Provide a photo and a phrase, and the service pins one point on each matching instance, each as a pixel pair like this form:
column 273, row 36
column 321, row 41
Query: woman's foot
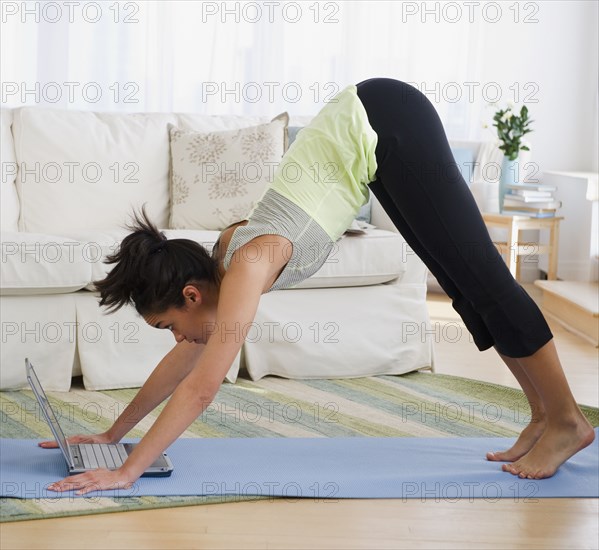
column 556, row 445
column 526, row 440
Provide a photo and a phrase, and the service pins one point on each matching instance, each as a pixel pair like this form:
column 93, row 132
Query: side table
column 513, row 248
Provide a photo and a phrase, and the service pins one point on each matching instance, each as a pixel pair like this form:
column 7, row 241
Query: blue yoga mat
column 324, row 468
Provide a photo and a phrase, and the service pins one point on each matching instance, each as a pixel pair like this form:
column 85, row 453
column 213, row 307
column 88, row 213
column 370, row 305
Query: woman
column 381, row 133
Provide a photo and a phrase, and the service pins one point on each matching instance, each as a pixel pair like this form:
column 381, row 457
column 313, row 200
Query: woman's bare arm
column 239, row 297
column 161, row 383
column 240, row 293
column 167, row 375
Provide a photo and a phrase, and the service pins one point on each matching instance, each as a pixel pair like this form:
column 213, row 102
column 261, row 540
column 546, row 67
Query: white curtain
column 238, row 58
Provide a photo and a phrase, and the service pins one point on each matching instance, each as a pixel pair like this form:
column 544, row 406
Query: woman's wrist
column 129, row 472
column 112, row 435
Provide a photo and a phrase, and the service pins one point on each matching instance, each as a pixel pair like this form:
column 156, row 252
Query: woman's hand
column 95, row 480
column 73, row 440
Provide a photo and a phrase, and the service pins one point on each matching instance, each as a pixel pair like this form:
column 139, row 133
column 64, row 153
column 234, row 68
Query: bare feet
column 555, row 445
column 526, row 440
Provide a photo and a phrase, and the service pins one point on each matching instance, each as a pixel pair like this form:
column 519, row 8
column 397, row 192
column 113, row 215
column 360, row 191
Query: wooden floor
column 579, row 358
column 348, row 524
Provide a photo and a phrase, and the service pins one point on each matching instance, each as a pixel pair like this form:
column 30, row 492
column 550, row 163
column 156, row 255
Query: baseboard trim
column 571, row 307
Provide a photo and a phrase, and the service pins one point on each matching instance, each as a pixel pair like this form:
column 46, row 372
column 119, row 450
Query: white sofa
column 69, row 182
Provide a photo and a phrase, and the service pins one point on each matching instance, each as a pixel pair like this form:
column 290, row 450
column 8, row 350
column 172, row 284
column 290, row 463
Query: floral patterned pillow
column 217, row 178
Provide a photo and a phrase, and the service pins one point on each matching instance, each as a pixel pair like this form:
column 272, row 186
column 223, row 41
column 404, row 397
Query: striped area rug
column 417, row 404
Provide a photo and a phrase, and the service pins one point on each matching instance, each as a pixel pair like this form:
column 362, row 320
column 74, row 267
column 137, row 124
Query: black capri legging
column 420, row 187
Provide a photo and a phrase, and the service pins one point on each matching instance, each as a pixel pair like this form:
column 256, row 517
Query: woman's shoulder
column 276, row 251
column 222, row 243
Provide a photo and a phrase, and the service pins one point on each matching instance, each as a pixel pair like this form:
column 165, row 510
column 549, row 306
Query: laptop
column 83, row 457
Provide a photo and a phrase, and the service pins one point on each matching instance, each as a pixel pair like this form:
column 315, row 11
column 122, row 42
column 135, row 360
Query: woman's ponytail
column 150, row 271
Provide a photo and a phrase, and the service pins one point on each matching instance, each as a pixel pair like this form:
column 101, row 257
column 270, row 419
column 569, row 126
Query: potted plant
column 511, row 128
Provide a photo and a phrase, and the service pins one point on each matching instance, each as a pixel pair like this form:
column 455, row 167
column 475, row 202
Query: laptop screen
column 48, row 412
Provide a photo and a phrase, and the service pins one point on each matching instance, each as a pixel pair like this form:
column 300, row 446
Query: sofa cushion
column 217, row 123
column 9, row 200
column 217, row 178
column 34, row 263
column 87, row 170
column 377, row 256
column 99, row 244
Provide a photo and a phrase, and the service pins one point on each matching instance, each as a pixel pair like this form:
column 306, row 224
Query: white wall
column 559, row 54
column 171, row 53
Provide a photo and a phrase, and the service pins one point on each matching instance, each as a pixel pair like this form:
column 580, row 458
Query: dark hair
column 151, row 270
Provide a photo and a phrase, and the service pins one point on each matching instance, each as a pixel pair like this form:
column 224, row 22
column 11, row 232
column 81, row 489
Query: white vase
column 486, row 195
column 510, row 175
column 528, row 172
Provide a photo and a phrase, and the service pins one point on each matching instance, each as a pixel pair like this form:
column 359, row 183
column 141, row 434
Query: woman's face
column 194, row 322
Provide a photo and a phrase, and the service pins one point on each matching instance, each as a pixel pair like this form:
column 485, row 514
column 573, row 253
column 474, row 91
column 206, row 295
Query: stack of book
column 529, row 199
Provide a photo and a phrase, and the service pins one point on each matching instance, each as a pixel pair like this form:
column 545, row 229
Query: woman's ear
column 192, row 294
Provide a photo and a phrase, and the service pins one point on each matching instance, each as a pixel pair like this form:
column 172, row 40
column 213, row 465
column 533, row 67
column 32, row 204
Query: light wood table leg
column 512, row 251
column 553, row 242
column 514, row 225
column 518, row 268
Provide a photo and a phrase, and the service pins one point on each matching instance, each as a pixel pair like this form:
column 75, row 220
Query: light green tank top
column 327, row 168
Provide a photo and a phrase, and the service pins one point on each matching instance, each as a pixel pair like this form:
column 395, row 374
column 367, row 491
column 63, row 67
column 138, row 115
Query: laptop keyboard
column 101, row 455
